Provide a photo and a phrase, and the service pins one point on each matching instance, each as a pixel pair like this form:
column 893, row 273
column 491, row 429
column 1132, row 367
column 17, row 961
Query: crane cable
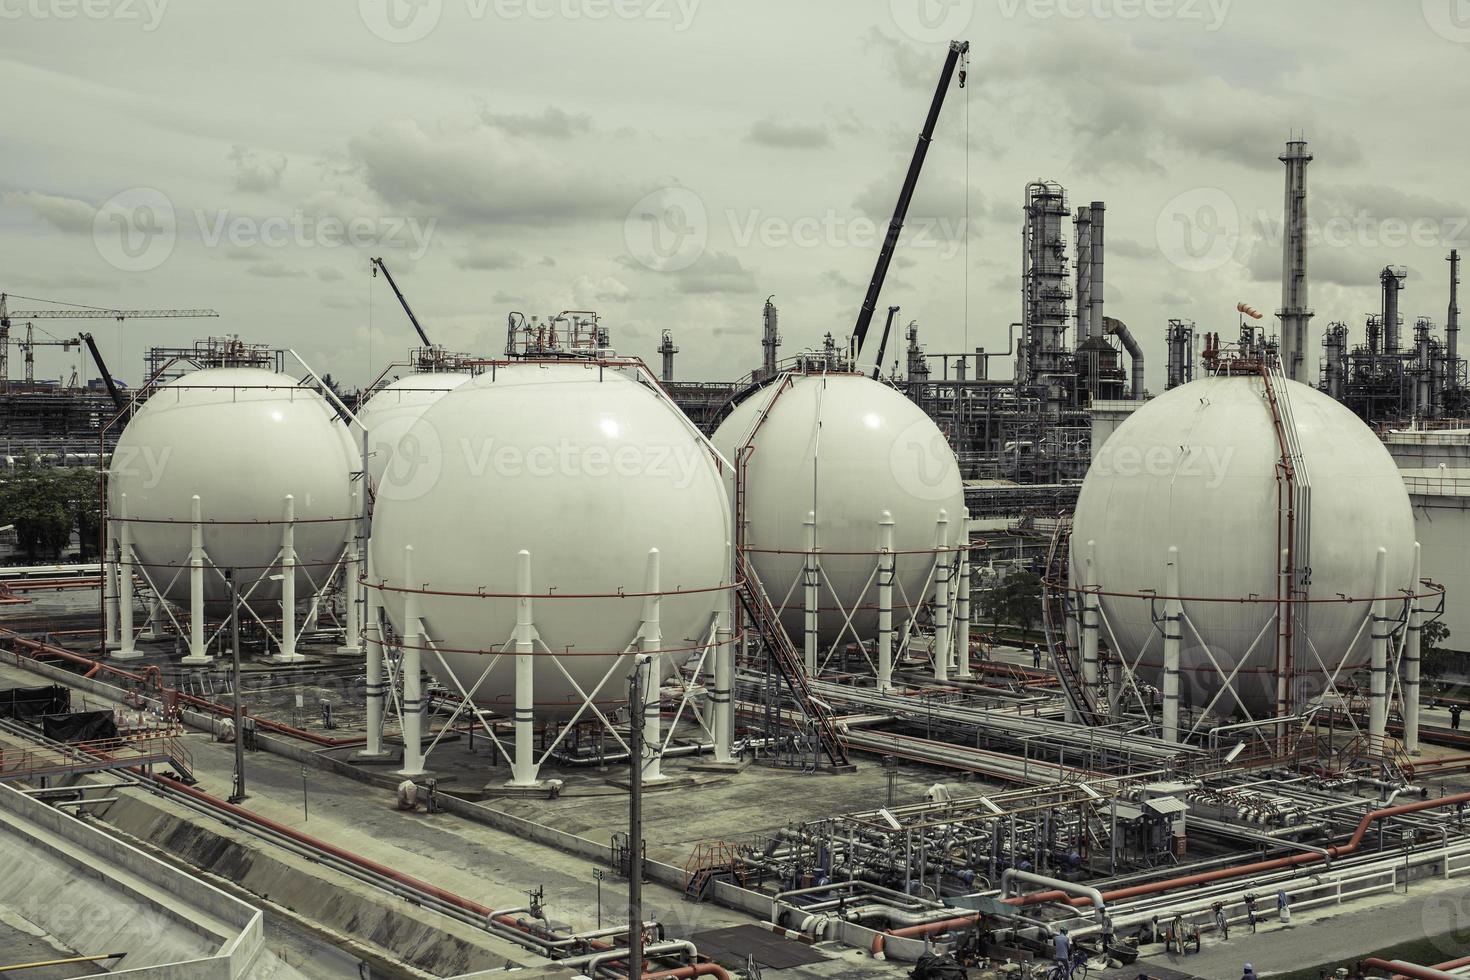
column 965, row 231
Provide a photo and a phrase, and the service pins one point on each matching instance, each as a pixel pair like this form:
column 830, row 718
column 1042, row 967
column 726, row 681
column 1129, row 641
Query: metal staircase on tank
column 1294, row 518
column 788, row 663
column 1054, row 621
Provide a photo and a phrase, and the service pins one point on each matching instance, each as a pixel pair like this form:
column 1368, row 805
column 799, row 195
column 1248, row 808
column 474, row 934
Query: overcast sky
column 670, row 163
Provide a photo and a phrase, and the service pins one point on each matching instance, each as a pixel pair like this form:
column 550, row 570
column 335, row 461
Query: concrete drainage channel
column 395, row 917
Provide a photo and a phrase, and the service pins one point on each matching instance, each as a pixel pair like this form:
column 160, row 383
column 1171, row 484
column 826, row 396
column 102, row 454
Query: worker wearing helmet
column 1062, row 949
column 1249, row 973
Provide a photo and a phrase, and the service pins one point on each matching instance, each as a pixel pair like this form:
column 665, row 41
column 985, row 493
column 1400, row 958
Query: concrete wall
column 229, row 933
column 1442, row 525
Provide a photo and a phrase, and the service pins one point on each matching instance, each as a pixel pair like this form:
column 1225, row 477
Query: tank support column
column 125, row 649
column 353, row 598
column 1173, row 634
column 1089, row 623
column 722, row 713
column 197, row 657
column 812, row 579
column 110, row 566
column 941, row 599
column 885, row 602
column 962, row 598
column 411, row 668
column 1378, row 679
column 372, row 641
column 525, row 770
column 652, row 643
column 1411, row 660
column 288, row 654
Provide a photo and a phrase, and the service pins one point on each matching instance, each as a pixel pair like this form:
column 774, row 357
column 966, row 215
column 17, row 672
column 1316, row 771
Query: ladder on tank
column 1054, row 617
column 1295, row 512
column 788, row 663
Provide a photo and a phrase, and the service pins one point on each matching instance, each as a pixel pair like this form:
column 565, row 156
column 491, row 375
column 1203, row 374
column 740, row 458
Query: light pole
column 239, row 795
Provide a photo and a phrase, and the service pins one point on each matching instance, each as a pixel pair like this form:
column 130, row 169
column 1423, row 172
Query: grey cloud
column 275, row 270
column 482, row 176
column 326, row 273
column 254, row 172
column 501, row 296
column 489, row 261
column 63, row 213
column 718, row 272
column 788, row 136
column 550, row 123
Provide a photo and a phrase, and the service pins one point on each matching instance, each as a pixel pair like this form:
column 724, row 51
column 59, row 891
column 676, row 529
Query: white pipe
column 1012, row 875
column 1173, row 617
column 125, row 649
column 1411, row 660
column 524, row 772
column 962, row 600
column 1378, row 696
column 811, row 578
column 652, row 644
column 885, row 602
column 288, row 581
column 941, row 598
column 410, row 666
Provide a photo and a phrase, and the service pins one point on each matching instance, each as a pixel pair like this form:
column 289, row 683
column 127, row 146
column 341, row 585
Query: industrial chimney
column 1294, row 313
column 1452, row 319
column 1082, row 237
column 1095, row 253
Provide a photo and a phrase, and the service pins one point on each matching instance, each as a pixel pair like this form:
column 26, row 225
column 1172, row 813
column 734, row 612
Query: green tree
column 1015, row 599
column 46, row 504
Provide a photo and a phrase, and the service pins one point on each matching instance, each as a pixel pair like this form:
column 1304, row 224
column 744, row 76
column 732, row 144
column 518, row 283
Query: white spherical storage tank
column 391, row 411
column 585, row 468
column 847, row 449
column 1197, row 469
column 241, row 440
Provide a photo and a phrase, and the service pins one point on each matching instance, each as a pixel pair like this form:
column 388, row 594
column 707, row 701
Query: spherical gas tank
column 1197, row 468
column 390, row 413
column 586, row 469
column 847, row 449
column 241, row 440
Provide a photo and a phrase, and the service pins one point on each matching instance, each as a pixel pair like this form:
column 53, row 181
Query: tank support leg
column 962, row 598
column 411, row 667
column 1089, row 623
column 288, row 654
column 722, row 713
column 1173, row 634
column 812, row 579
column 941, row 599
column 110, row 565
column 525, row 770
column 372, row 641
column 652, row 644
column 125, row 650
column 885, row 602
column 352, row 591
column 1378, row 680
column 1411, row 660
column 197, row 656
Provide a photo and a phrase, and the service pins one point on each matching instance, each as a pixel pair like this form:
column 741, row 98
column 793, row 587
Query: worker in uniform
column 1062, row 950
column 1249, row 973
column 1036, row 655
column 1455, row 717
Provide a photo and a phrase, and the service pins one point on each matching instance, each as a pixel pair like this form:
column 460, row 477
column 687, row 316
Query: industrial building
column 537, row 662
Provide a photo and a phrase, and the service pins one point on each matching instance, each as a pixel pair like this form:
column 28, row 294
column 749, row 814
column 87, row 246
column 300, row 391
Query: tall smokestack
column 1294, row 313
column 1082, row 226
column 1095, row 288
column 770, row 338
column 1392, row 278
column 1452, row 319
